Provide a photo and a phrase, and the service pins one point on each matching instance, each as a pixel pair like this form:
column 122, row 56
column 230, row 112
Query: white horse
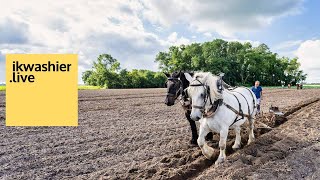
column 219, row 109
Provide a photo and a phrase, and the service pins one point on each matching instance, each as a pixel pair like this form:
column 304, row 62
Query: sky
column 134, row 31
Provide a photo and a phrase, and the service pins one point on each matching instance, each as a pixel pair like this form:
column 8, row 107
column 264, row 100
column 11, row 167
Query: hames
column 51, row 67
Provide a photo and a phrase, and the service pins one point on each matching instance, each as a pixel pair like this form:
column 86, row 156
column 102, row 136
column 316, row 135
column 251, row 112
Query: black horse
column 176, row 84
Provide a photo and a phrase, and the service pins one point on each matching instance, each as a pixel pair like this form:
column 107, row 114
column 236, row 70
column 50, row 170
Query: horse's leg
column 222, row 145
column 251, row 127
column 237, row 142
column 193, row 128
column 207, row 151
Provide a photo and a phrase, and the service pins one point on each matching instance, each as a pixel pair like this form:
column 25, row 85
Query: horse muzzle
column 195, row 115
column 169, row 100
column 197, row 112
column 195, row 118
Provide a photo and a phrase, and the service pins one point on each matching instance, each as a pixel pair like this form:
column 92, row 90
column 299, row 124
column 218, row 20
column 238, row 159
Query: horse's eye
column 202, row 95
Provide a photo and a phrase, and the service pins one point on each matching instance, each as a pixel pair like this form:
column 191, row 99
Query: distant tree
column 241, row 62
column 106, row 72
column 86, row 75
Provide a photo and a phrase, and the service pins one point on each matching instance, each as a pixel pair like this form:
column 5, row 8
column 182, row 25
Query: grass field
column 305, row 86
column 2, row 88
column 83, row 87
column 312, row 86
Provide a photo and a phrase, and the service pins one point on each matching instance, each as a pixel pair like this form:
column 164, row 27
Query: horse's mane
column 211, row 80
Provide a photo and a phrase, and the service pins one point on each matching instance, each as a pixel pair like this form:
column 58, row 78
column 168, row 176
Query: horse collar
column 211, row 112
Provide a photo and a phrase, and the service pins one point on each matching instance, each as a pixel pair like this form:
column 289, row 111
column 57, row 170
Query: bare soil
column 132, row 134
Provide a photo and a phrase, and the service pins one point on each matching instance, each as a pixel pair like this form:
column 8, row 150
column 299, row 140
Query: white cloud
column 287, row 48
column 309, row 57
column 207, row 34
column 253, row 43
column 225, row 17
column 2, row 67
column 174, row 40
column 288, row 44
column 89, row 28
column 79, row 26
column 13, row 32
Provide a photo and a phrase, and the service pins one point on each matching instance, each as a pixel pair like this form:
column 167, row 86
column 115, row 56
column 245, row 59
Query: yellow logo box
column 41, row 90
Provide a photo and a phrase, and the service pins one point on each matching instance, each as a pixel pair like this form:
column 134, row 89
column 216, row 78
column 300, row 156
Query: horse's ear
column 188, row 77
column 167, row 74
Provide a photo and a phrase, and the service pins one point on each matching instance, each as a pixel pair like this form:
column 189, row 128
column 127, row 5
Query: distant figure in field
column 257, row 90
column 289, row 86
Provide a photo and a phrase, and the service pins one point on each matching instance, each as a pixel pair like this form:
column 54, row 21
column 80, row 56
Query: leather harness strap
column 246, row 101
column 253, row 100
column 238, row 113
column 212, row 111
column 207, row 96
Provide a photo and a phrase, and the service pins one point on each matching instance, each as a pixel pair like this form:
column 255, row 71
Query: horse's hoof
column 219, row 160
column 251, row 141
column 209, row 156
column 235, row 147
column 208, row 152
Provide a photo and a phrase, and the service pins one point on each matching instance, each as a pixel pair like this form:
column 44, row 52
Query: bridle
column 206, row 95
column 177, row 82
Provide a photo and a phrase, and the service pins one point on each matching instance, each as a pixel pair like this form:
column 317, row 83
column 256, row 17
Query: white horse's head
column 203, row 90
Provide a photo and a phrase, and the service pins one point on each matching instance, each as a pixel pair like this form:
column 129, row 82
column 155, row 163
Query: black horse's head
column 175, row 84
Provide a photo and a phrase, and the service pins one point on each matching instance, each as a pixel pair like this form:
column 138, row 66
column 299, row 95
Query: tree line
column 106, row 72
column 241, row 62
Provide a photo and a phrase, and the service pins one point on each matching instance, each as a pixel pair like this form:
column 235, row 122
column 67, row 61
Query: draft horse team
column 218, row 107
